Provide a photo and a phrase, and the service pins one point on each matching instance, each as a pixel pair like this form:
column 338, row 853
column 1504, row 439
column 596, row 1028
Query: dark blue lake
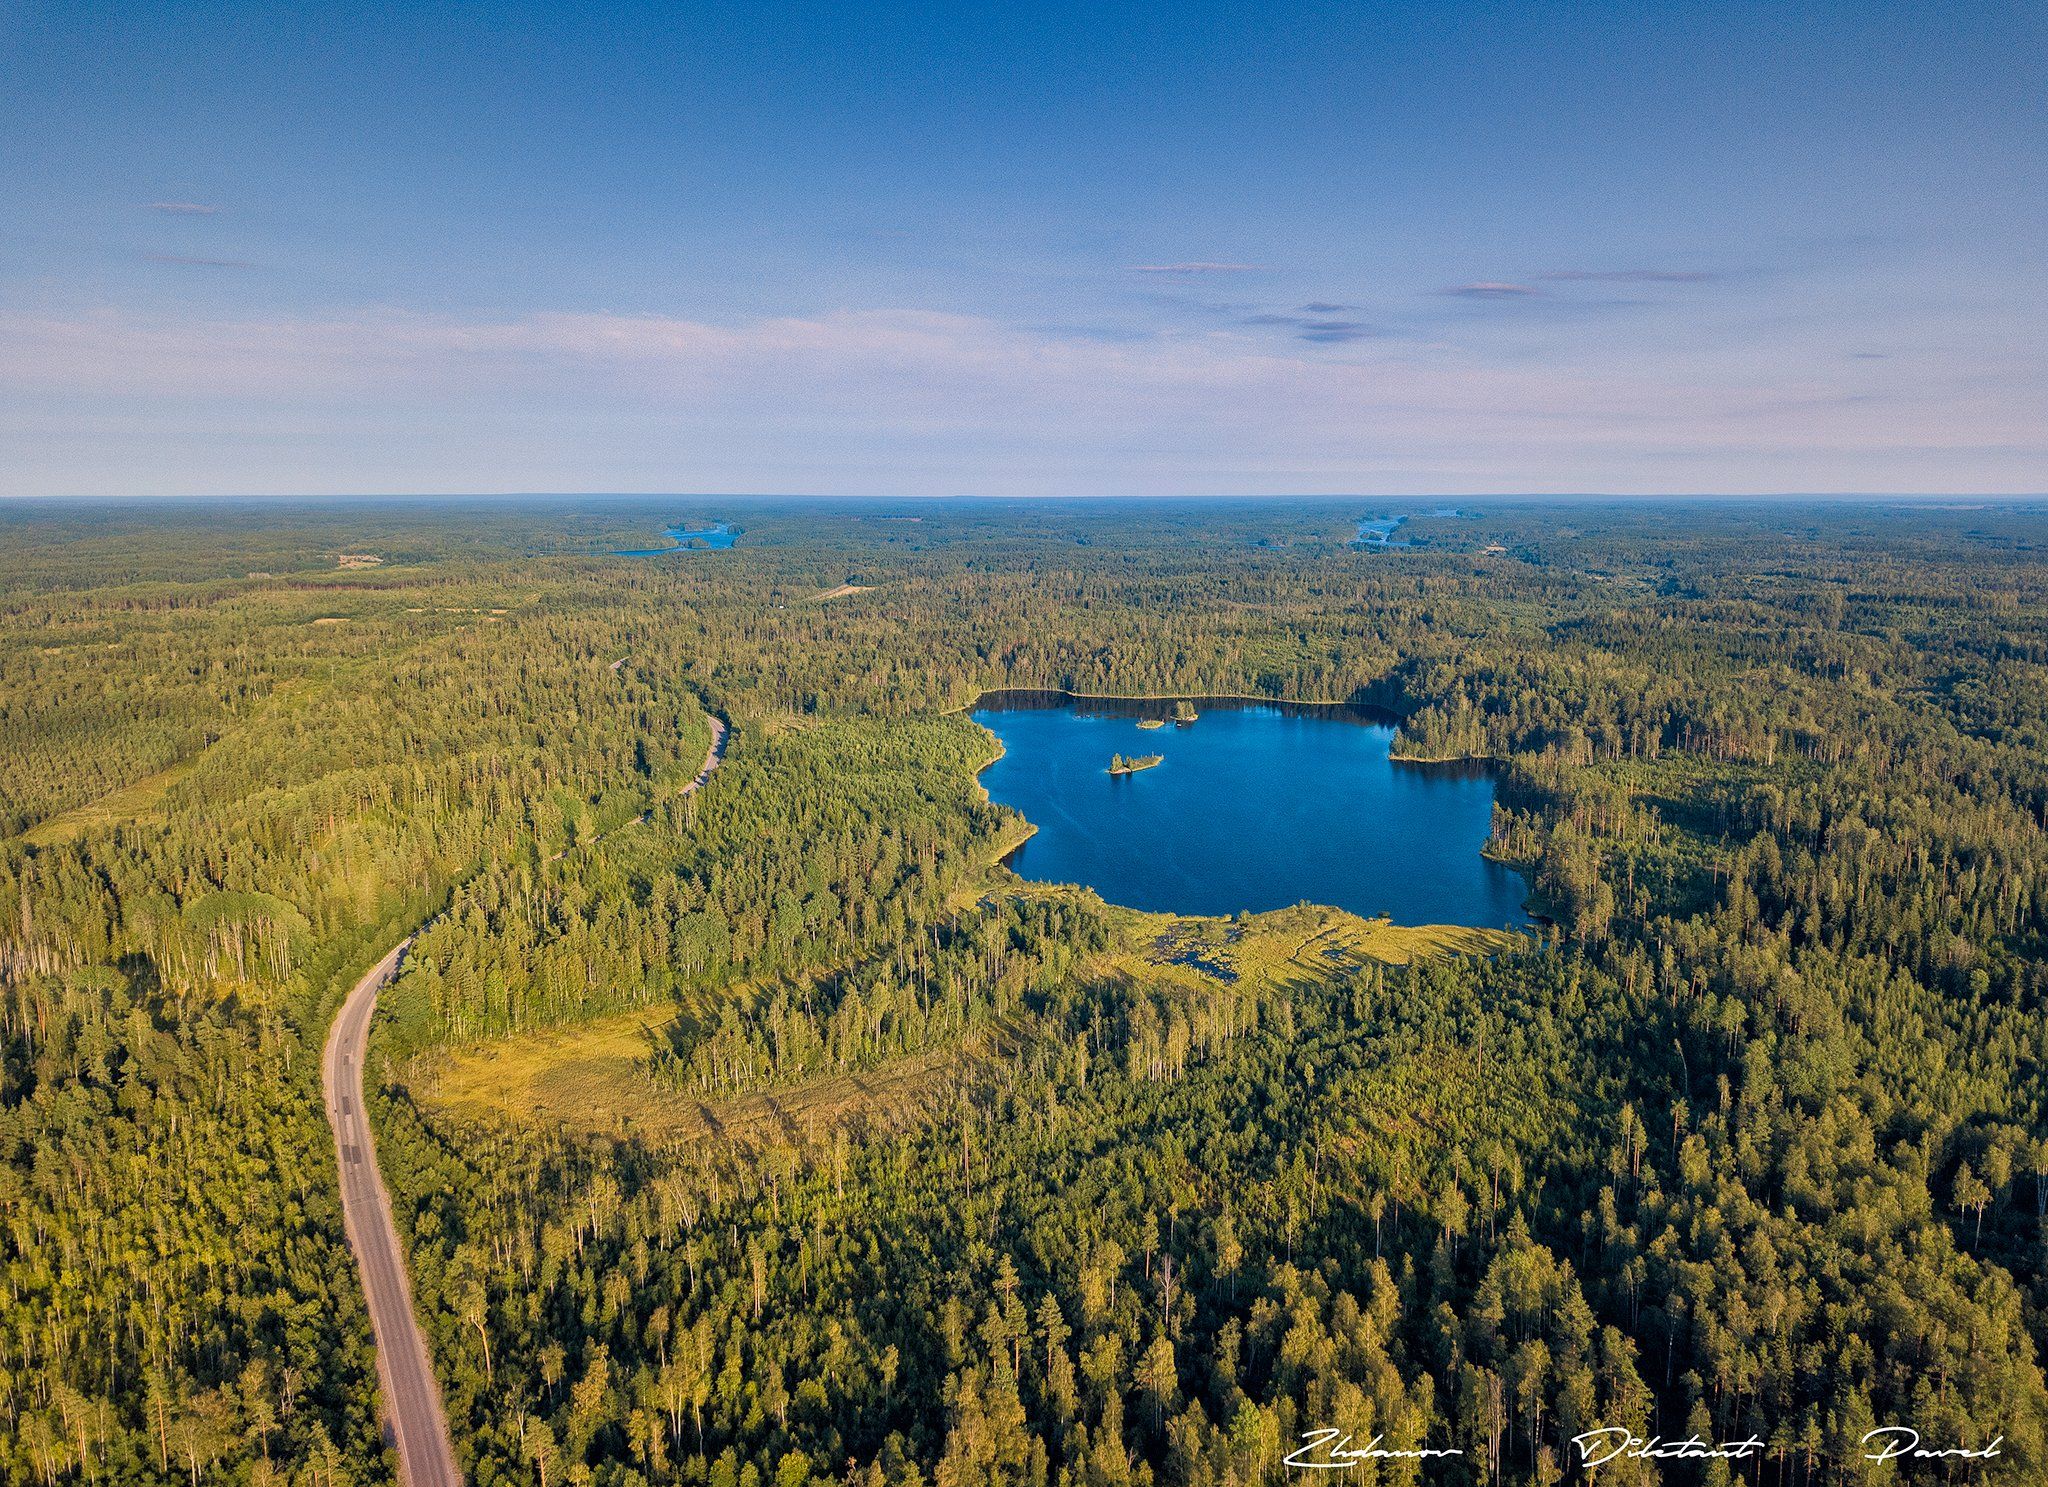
column 1256, row 806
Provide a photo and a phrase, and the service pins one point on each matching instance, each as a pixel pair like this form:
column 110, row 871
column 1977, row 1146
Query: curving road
column 412, row 1397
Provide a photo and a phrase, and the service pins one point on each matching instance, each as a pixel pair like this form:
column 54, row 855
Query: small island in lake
column 1184, row 711
column 1118, row 764
column 1152, row 722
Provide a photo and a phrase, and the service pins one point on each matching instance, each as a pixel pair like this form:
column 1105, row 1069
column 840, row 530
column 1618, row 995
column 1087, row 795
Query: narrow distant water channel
column 718, row 535
column 1378, row 531
column 1254, row 806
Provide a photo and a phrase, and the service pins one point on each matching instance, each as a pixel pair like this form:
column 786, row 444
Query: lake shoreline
column 1391, row 717
column 1245, row 823
column 1378, row 712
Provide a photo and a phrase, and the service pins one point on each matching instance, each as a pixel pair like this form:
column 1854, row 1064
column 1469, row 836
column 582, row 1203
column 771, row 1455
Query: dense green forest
column 1751, row 1141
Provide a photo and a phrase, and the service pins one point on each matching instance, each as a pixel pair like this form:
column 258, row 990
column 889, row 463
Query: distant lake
column 718, row 535
column 1378, row 531
column 1256, row 806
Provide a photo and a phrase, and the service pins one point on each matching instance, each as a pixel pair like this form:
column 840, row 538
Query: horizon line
column 1850, row 497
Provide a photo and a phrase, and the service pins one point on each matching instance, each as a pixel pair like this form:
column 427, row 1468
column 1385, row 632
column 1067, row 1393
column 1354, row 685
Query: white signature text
column 1611, row 1442
column 1329, row 1449
column 1890, row 1442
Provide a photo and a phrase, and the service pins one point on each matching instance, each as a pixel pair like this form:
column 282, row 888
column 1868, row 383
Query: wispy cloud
column 1193, row 268
column 1330, row 332
column 1200, row 309
column 189, row 262
column 1628, row 276
column 921, row 401
column 183, row 208
column 1492, row 290
column 1313, row 323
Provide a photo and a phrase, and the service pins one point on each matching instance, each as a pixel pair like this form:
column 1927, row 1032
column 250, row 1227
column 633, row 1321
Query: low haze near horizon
column 1439, row 249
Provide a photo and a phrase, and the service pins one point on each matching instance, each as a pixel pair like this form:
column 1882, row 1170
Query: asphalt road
column 412, row 1398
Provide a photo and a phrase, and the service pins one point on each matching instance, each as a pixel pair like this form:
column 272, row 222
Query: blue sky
column 1021, row 249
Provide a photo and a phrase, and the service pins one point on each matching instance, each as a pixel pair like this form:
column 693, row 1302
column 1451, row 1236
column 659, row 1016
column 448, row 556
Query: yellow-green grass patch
column 600, row 1076
column 127, row 806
